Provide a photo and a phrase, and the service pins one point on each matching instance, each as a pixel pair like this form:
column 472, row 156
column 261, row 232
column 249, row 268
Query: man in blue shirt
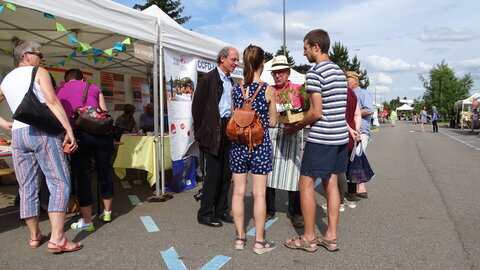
column 211, row 111
column 366, row 106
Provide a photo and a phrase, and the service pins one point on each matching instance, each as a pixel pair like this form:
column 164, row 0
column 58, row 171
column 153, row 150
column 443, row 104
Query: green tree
column 339, row 55
column 268, row 56
column 443, row 88
column 173, row 9
column 302, row 68
column 287, row 54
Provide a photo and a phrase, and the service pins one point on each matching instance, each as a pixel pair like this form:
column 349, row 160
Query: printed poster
column 141, row 92
column 113, row 88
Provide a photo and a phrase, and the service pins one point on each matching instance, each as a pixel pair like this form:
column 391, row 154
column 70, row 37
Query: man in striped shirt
column 325, row 153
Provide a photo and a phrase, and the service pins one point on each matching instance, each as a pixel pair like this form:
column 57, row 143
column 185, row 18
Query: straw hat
column 352, row 74
column 280, row 62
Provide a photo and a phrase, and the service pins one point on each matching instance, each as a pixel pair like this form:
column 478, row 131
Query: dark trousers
column 435, row 126
column 100, row 148
column 218, row 177
column 293, row 201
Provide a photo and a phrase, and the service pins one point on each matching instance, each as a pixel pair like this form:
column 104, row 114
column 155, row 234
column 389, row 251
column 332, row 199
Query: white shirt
column 14, row 87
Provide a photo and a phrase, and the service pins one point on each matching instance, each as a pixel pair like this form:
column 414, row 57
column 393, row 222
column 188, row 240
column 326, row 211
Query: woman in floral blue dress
column 259, row 160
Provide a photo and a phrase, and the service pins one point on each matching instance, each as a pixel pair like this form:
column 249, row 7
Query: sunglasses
column 40, row 55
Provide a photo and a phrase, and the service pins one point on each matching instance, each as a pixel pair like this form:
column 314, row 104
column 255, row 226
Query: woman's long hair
column 253, row 57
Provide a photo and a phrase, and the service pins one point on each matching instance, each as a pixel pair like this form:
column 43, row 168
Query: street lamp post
column 284, row 32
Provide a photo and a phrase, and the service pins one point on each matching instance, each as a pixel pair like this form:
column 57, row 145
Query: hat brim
column 279, row 67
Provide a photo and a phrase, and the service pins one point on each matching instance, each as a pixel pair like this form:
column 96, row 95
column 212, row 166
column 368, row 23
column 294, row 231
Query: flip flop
column 63, row 247
column 35, row 243
column 328, row 244
column 304, row 245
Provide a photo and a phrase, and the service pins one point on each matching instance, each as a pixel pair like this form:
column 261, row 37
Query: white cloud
column 417, row 89
column 470, row 63
column 434, row 34
column 247, row 6
column 381, row 78
column 380, row 89
column 381, row 63
column 424, row 67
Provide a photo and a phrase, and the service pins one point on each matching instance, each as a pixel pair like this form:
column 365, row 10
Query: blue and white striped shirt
column 329, row 80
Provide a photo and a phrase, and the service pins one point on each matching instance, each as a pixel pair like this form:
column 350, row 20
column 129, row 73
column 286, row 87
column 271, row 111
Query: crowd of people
column 339, row 113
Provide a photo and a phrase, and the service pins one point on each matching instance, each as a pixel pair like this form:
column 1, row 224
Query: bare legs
column 259, row 205
column 422, row 127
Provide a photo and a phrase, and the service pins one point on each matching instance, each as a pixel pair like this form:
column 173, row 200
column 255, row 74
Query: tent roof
column 295, row 76
column 404, row 107
column 100, row 23
column 467, row 101
column 175, row 37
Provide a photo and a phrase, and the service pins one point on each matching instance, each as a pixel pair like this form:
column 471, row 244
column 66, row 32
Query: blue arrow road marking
column 134, row 199
column 267, row 224
column 125, row 185
column 149, row 224
column 171, row 258
column 216, row 263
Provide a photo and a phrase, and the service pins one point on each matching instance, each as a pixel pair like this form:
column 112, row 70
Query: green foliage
column 287, row 54
column 443, row 88
column 339, row 55
column 302, row 68
column 173, row 9
column 268, row 56
column 287, row 102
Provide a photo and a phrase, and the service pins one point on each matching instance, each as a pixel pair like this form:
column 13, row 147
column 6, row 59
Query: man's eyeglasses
column 278, row 72
column 234, row 60
column 40, row 55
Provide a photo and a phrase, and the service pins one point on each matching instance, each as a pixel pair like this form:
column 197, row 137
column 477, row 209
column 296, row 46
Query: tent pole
column 155, row 115
column 162, row 145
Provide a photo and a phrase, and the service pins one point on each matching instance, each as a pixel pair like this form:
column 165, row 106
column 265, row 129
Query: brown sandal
column 304, row 245
column 63, row 247
column 328, row 244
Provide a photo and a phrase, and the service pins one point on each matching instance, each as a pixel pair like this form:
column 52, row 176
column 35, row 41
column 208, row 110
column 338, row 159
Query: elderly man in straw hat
column 366, row 107
column 286, row 149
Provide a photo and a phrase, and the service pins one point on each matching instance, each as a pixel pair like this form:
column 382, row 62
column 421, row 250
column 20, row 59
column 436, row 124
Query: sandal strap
column 241, row 239
column 265, row 243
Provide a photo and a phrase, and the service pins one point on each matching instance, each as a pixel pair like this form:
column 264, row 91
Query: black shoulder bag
column 32, row 112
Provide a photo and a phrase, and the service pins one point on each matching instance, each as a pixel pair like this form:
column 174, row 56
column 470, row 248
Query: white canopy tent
column 102, row 23
column 467, row 101
column 404, row 107
column 295, row 76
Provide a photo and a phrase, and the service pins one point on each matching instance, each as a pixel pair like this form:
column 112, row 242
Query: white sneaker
column 348, row 203
column 342, row 207
column 82, row 226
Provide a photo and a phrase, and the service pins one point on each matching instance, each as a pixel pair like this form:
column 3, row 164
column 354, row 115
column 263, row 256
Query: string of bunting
column 83, row 46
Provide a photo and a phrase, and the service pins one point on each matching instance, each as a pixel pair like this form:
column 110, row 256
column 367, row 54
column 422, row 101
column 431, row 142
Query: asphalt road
column 423, row 212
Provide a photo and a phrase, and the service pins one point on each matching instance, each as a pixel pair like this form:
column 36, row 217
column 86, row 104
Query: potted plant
column 287, row 113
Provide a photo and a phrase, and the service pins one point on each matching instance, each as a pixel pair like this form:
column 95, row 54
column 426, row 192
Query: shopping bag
column 359, row 169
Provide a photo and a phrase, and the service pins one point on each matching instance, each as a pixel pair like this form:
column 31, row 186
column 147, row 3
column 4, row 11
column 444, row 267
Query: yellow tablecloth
column 137, row 152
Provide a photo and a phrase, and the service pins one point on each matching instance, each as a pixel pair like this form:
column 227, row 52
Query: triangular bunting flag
column 73, row 54
column 50, row 66
column 95, row 60
column 85, row 46
column 78, row 49
column 97, row 51
column 127, row 41
column 110, row 58
column 60, row 27
column 1, row 9
column 90, row 81
column 84, row 53
column 54, row 75
column 68, row 59
column 108, row 51
column 62, row 63
column 55, row 65
column 103, row 60
column 90, row 57
column 47, row 15
column 72, row 39
column 10, row 6
column 119, row 47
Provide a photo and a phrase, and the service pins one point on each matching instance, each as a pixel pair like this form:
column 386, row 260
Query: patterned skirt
column 286, row 159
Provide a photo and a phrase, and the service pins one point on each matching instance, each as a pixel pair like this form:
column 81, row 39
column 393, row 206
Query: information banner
column 141, row 92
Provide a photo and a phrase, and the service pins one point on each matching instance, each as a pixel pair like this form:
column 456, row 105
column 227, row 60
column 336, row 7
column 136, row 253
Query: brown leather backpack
column 244, row 127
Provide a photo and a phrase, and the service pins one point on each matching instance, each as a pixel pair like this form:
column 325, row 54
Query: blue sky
column 394, row 40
